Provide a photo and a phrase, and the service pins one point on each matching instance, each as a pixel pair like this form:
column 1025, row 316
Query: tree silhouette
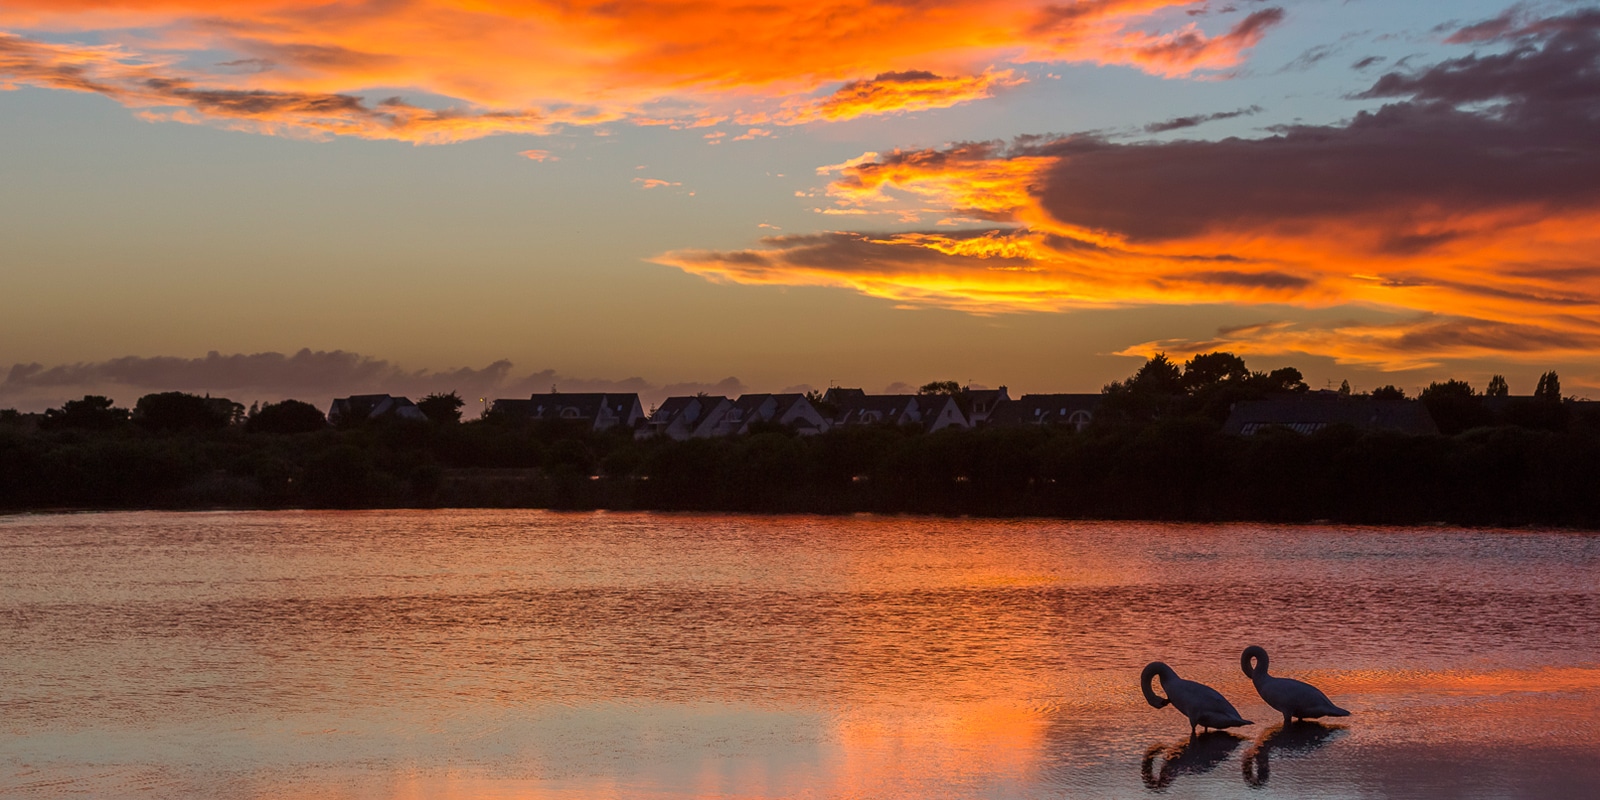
column 93, row 412
column 1389, row 392
column 444, row 409
column 289, row 416
column 1455, row 407
column 1549, row 388
column 1497, row 387
column 1284, row 379
column 179, row 411
column 1204, row 371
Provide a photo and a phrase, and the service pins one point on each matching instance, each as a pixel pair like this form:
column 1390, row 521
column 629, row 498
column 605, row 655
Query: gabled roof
column 374, row 406
column 674, row 407
column 839, row 395
column 694, row 406
column 987, row 396
column 787, row 402
column 749, row 403
column 1311, row 413
column 577, row 405
column 869, row 408
column 1044, row 409
column 563, row 405
column 520, row 409
column 622, row 405
column 931, row 407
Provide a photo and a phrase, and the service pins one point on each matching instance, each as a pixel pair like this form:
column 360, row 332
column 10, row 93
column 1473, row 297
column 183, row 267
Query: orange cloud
column 525, row 65
column 155, row 84
column 1470, row 205
column 538, row 155
column 899, row 92
column 655, row 183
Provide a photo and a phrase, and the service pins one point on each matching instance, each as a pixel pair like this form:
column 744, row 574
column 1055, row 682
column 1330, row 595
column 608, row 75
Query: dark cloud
column 1248, row 280
column 312, row 375
column 1369, row 61
column 1177, row 123
column 1474, row 334
column 844, row 253
column 900, row 77
column 1517, row 129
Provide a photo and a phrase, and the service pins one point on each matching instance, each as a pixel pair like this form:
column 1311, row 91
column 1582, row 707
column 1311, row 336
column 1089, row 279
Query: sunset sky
column 270, row 198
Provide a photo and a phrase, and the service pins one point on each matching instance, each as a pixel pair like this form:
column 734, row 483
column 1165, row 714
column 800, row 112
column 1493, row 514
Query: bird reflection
column 1193, row 756
column 1295, row 737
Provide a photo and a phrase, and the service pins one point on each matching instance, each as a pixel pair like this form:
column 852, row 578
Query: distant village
column 705, row 416
column 1208, row 439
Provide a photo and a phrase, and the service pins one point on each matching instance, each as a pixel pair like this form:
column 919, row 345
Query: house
column 681, row 418
column 1074, row 410
column 362, row 407
column 940, row 411
column 591, row 409
column 981, row 403
column 837, row 395
column 791, row 410
column 1309, row 413
column 856, row 407
column 931, row 412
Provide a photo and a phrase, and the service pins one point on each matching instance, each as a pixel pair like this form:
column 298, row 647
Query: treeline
column 1156, row 451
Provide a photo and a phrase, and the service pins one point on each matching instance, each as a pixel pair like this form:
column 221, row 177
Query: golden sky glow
column 297, row 67
column 1354, row 189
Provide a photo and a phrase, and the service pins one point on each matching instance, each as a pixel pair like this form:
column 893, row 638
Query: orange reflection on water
column 532, row 654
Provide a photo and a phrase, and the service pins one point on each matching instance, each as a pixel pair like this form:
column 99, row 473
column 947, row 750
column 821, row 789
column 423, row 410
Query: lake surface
column 528, row 654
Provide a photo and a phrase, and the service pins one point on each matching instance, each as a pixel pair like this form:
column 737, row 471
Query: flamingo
column 1294, row 699
column 1204, row 706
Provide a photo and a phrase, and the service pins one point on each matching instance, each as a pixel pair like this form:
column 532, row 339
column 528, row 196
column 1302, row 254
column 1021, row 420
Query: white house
column 792, row 410
column 682, row 418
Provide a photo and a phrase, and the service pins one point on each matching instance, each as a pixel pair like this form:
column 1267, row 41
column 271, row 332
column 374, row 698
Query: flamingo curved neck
column 1254, row 662
column 1154, row 670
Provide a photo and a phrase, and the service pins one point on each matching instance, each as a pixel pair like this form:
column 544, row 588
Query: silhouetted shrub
column 287, row 417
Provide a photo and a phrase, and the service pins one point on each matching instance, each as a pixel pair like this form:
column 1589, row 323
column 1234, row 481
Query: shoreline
column 1330, row 523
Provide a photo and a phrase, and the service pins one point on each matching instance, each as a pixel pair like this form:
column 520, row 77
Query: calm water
column 543, row 655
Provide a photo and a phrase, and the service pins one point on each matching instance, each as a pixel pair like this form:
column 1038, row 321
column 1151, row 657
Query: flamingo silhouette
column 1204, row 706
column 1294, row 699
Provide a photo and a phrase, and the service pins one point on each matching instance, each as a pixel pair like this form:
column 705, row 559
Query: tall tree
column 1497, row 387
column 1549, row 387
column 1210, row 369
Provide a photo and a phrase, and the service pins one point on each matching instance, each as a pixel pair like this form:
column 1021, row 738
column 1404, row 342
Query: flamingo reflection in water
column 1290, row 738
column 1193, row 756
